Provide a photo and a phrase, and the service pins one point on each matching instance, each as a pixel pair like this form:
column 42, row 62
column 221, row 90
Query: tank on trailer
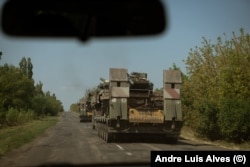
column 128, row 106
column 85, row 111
column 111, row 116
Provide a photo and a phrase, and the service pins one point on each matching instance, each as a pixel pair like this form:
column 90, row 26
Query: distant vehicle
column 126, row 105
column 85, row 112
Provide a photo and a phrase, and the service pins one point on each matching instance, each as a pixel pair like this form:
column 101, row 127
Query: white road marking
column 152, row 147
column 129, row 153
column 120, row 147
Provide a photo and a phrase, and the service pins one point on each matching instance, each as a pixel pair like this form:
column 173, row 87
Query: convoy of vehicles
column 85, row 111
column 126, row 105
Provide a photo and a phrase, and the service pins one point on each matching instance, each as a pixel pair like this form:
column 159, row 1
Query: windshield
column 68, row 69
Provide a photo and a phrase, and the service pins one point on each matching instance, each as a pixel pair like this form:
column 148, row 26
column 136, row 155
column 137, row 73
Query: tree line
column 22, row 100
column 216, row 89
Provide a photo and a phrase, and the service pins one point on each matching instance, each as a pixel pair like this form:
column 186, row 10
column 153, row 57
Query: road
column 77, row 143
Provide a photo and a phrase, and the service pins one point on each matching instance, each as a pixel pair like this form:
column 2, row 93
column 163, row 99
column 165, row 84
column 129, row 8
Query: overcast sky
column 69, row 67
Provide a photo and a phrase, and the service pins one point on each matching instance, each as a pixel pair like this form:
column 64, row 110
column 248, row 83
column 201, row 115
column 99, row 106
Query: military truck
column 126, row 106
column 85, row 111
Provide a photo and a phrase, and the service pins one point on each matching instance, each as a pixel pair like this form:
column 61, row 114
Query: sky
column 67, row 67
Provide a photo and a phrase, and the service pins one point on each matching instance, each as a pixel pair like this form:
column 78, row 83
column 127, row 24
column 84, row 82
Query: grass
column 187, row 133
column 16, row 136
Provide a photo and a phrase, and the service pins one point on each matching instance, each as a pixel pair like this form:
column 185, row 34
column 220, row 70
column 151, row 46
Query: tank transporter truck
column 126, row 106
column 85, row 111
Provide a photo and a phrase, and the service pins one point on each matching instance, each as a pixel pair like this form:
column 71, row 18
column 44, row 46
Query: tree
column 39, row 89
column 217, row 88
column 23, row 65
column 20, row 100
column 29, row 68
column 47, row 93
column 26, row 67
column 74, row 107
column 16, row 89
column 47, row 105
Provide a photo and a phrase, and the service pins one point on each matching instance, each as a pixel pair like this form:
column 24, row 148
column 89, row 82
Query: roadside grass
column 16, row 136
column 188, row 133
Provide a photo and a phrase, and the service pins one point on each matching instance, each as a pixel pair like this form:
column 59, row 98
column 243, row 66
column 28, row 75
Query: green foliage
column 234, row 119
column 216, row 89
column 2, row 119
column 53, row 106
column 23, row 65
column 20, row 100
column 11, row 116
column 26, row 67
column 47, row 105
column 39, row 89
column 39, row 105
column 16, row 117
column 15, row 137
column 30, row 68
column 16, row 89
column 74, row 107
column 208, row 121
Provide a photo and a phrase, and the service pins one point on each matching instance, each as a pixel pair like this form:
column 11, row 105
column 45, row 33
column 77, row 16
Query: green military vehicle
column 126, row 106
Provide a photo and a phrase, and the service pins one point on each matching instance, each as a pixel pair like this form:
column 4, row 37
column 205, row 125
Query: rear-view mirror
column 83, row 18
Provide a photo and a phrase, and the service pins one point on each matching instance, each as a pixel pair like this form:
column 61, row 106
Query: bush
column 31, row 115
column 208, row 126
column 12, row 117
column 234, row 119
column 21, row 117
column 2, row 119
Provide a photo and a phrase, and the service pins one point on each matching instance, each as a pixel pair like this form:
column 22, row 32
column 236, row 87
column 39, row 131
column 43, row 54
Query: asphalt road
column 72, row 142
